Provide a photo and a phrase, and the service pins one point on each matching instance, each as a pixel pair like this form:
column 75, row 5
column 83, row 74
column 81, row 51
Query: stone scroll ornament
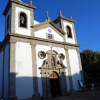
column 61, row 58
column 41, row 54
column 53, row 61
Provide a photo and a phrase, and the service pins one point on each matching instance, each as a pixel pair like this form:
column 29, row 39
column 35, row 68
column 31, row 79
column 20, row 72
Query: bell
column 22, row 22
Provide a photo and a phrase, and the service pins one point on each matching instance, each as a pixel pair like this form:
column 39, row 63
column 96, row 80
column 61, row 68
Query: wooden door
column 54, row 84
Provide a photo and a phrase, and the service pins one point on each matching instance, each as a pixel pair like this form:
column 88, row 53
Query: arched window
column 7, row 22
column 69, row 33
column 23, row 20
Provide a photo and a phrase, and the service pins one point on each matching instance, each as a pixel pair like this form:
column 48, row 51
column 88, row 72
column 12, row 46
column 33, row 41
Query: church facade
column 38, row 60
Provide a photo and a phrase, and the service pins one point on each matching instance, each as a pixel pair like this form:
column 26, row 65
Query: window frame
column 47, row 36
column 19, row 19
column 70, row 32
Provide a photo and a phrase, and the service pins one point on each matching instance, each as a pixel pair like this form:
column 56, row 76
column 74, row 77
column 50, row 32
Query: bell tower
column 19, row 17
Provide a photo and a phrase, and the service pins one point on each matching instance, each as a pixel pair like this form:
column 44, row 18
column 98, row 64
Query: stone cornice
column 64, row 18
column 9, row 38
column 42, row 39
column 17, row 2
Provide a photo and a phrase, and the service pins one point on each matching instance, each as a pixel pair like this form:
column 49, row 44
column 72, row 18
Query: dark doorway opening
column 54, row 84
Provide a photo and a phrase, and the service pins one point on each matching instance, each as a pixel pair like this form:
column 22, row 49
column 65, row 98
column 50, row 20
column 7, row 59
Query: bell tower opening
column 23, row 20
column 54, row 84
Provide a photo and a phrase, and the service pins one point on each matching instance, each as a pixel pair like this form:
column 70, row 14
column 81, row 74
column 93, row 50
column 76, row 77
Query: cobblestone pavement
column 88, row 95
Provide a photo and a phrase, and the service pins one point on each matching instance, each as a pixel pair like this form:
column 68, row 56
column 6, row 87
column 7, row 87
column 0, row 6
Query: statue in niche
column 52, row 61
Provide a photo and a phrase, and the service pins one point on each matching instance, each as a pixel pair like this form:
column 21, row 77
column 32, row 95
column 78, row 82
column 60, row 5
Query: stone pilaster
column 65, row 82
column 2, row 92
column 69, row 71
column 63, row 85
column 36, row 95
column 13, row 19
column 80, row 65
column 62, row 82
column 44, row 85
column 62, row 27
column 31, row 21
column 48, row 86
column 74, row 34
column 12, row 75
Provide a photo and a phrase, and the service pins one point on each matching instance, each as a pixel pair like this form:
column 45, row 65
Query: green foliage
column 91, row 62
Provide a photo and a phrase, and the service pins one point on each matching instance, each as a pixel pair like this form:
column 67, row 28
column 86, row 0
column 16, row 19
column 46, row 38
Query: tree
column 91, row 63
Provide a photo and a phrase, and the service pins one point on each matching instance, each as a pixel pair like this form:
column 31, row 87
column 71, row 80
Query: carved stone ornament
column 61, row 56
column 53, row 61
column 41, row 54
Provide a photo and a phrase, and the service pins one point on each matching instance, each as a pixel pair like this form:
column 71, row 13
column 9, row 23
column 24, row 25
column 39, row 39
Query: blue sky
column 86, row 13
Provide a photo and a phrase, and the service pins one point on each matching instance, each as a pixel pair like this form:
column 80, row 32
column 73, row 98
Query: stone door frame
column 45, row 73
column 53, row 63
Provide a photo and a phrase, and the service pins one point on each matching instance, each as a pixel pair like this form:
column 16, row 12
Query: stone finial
column 70, row 17
column 47, row 16
column 60, row 13
column 30, row 2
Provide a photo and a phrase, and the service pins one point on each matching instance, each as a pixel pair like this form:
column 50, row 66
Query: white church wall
column 75, row 70
column 24, row 77
column 6, row 71
column 1, row 71
column 69, row 40
column 36, row 22
column 9, row 13
column 43, row 33
column 40, row 62
column 21, row 30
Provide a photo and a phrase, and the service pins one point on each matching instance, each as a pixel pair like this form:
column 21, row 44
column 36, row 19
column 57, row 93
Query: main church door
column 54, row 84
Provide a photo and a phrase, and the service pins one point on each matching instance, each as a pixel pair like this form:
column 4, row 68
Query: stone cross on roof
column 30, row 2
column 47, row 14
column 60, row 13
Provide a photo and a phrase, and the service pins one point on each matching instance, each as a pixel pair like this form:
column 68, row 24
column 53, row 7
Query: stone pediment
column 42, row 25
column 49, row 30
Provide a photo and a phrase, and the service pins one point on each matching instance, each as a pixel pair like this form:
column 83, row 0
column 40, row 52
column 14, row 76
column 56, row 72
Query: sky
column 86, row 13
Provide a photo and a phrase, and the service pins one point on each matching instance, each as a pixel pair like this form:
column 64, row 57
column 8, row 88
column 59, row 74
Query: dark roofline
column 18, row 2
column 54, row 25
column 64, row 18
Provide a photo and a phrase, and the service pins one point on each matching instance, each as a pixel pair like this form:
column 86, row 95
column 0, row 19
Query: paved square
column 88, row 95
